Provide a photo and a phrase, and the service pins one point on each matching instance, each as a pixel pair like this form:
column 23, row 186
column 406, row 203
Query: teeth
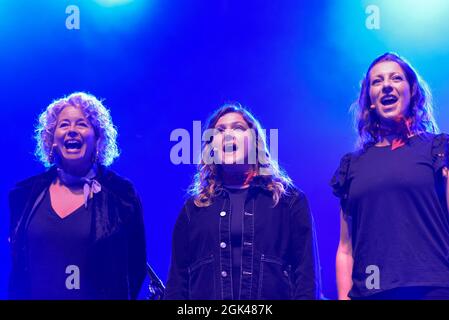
column 72, row 144
column 390, row 99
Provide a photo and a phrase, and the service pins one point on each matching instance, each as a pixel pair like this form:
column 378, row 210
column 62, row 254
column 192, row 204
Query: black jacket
column 117, row 254
column 279, row 258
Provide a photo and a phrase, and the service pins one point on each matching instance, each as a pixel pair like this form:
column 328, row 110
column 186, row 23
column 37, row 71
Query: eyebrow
column 233, row 123
column 390, row 74
column 78, row 120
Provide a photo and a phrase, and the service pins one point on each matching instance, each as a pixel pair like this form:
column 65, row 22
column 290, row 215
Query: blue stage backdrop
column 160, row 65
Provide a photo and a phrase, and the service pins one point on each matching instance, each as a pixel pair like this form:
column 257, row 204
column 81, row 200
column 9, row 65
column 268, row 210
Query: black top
column 117, row 248
column 57, row 252
column 278, row 250
column 400, row 225
column 237, row 198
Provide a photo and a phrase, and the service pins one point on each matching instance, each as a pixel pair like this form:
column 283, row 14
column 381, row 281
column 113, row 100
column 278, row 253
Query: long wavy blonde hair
column 207, row 182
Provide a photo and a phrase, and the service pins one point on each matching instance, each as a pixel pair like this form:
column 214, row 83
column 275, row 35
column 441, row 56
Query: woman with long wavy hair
column 245, row 232
column 394, row 235
column 77, row 229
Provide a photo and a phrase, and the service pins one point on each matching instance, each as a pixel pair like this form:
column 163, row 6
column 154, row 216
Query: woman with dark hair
column 246, row 232
column 394, row 235
column 76, row 230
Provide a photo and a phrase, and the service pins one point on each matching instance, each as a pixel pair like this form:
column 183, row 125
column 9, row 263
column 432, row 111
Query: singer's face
column 74, row 138
column 389, row 90
column 233, row 141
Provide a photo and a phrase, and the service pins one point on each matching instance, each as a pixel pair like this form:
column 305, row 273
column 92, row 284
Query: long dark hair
column 419, row 114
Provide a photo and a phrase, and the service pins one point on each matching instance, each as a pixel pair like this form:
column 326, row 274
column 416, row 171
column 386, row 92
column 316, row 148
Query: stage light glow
column 118, row 15
column 410, row 27
column 112, row 3
column 415, row 22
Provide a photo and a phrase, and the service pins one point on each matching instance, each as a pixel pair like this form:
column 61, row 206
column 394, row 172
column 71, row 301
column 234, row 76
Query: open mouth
column 230, row 147
column 388, row 99
column 73, row 144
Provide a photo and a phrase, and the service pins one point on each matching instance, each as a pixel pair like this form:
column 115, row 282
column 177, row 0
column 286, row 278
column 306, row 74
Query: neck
column 391, row 130
column 78, row 171
column 238, row 176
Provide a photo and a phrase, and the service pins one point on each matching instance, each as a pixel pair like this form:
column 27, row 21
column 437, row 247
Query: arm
column 445, row 172
column 137, row 258
column 178, row 277
column 344, row 259
column 305, row 267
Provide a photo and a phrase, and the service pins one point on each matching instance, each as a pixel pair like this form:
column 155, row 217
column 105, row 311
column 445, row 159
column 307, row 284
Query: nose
column 387, row 88
column 72, row 133
column 228, row 135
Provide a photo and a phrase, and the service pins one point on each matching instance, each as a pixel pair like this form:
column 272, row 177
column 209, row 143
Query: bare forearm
column 445, row 173
column 344, row 264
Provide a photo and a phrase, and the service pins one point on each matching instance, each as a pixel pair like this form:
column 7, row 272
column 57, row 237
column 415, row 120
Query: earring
column 51, row 155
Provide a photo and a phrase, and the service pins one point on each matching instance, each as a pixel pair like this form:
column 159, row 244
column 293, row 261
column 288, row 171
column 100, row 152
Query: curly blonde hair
column 207, row 181
column 95, row 112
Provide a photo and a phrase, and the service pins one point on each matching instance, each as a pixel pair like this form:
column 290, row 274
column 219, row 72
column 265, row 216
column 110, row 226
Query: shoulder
column 437, row 140
column 343, row 167
column 27, row 184
column 347, row 158
column 293, row 196
column 189, row 203
column 440, row 150
column 119, row 185
column 190, row 207
column 437, row 143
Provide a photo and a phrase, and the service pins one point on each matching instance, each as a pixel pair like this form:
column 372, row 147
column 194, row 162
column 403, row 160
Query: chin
column 393, row 116
column 73, row 157
column 81, row 157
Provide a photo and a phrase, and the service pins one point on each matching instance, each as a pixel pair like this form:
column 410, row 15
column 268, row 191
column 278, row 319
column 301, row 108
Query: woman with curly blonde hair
column 76, row 230
column 246, row 232
column 393, row 190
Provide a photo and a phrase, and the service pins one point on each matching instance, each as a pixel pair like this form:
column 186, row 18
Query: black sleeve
column 440, row 151
column 339, row 181
column 178, row 277
column 13, row 216
column 137, row 259
column 17, row 199
column 14, row 291
column 305, row 255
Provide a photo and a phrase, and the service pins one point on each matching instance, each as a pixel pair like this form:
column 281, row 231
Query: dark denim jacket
column 279, row 257
column 117, row 254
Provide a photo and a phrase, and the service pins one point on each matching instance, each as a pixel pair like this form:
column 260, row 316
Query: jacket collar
column 257, row 185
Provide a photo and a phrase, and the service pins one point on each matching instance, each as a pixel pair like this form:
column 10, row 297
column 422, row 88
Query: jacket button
column 222, row 245
column 285, row 273
column 224, row 274
column 223, row 213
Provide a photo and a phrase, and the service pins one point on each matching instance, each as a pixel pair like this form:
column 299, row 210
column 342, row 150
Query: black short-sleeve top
column 400, row 222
